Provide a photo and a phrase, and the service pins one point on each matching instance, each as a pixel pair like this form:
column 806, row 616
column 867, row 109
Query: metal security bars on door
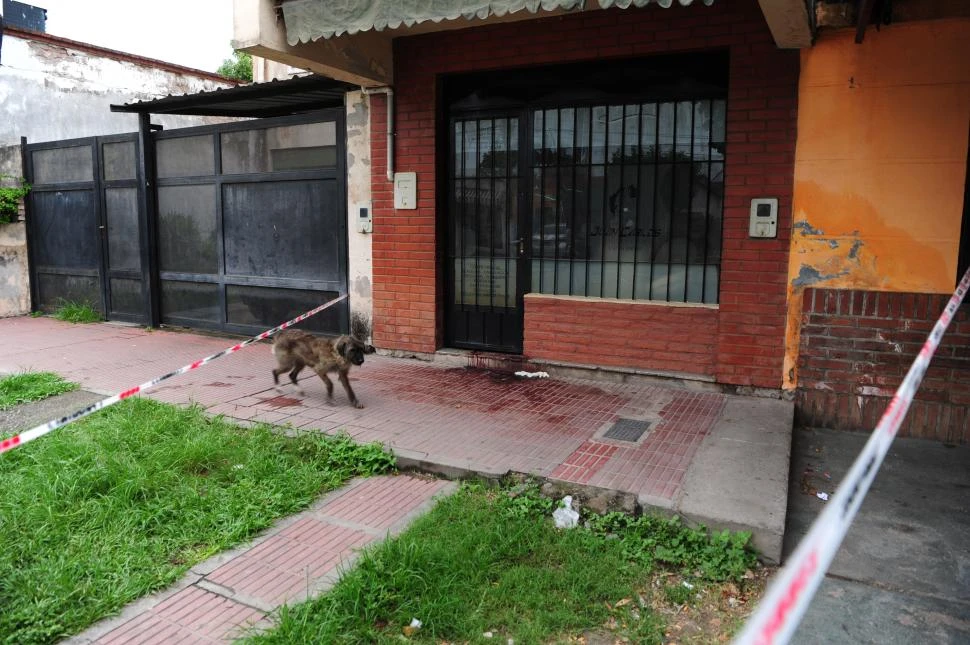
column 485, row 247
column 627, row 200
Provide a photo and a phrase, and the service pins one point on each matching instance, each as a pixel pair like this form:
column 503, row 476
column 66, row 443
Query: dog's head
column 353, row 349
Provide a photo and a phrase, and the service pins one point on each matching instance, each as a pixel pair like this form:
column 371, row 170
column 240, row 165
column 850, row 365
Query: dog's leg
column 350, row 391
column 322, row 373
column 293, row 374
column 276, row 378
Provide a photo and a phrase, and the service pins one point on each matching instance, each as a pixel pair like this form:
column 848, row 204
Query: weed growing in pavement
column 76, row 312
column 652, row 540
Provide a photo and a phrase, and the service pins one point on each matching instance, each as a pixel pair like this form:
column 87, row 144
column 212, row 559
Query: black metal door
column 485, row 258
column 122, row 242
column 84, row 233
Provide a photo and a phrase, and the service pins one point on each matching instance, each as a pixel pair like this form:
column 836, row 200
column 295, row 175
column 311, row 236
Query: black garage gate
column 234, row 227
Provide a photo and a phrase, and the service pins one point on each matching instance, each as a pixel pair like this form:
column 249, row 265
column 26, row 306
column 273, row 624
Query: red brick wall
column 856, row 347
column 749, row 325
column 599, row 332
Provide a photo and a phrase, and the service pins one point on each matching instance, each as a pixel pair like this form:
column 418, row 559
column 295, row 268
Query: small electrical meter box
column 405, row 190
column 764, row 217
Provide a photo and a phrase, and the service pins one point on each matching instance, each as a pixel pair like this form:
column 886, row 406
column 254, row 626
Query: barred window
column 627, row 200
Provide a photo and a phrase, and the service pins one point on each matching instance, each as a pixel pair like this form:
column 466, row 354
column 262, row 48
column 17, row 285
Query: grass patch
column 122, row 503
column 31, row 386
column 491, row 562
column 76, row 312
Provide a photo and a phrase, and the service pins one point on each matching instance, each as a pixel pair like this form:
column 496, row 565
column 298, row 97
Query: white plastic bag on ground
column 564, row 516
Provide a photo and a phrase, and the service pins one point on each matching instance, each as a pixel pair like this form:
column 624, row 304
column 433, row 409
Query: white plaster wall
column 14, row 277
column 265, row 69
column 50, row 92
column 360, row 267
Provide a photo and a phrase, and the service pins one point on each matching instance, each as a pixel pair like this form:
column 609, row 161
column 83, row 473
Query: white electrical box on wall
column 764, row 217
column 405, row 190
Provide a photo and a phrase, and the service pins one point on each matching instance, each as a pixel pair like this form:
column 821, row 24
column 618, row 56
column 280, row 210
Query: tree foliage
column 239, row 67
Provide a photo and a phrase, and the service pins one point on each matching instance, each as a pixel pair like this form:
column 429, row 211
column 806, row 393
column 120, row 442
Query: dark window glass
column 121, row 208
column 57, row 289
column 290, row 147
column 185, row 157
column 190, row 300
column 254, row 306
column 187, row 233
column 627, row 200
column 63, row 165
column 119, row 160
column 485, row 213
column 69, row 226
column 278, row 230
column 126, row 296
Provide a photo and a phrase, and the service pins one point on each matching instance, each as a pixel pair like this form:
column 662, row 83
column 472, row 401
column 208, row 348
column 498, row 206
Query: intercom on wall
column 365, row 221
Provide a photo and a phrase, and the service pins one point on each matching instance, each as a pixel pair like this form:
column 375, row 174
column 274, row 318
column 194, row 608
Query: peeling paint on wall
column 862, row 250
column 879, row 178
column 810, row 276
column 806, row 229
column 854, row 251
column 14, row 277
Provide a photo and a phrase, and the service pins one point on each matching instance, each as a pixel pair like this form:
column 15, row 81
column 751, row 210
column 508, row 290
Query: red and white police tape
column 22, row 438
column 783, row 606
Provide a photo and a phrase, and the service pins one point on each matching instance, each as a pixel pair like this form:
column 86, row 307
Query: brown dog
column 295, row 349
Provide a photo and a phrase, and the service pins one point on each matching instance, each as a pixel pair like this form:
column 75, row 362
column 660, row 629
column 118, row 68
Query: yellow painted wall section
column 880, row 163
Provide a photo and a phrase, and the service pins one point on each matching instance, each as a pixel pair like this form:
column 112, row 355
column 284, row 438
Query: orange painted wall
column 880, row 163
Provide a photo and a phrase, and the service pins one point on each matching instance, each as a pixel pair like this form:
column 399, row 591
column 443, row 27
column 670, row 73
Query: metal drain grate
column 627, row 430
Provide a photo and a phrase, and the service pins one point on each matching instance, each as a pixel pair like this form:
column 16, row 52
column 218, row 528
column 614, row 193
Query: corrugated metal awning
column 274, row 98
column 309, row 20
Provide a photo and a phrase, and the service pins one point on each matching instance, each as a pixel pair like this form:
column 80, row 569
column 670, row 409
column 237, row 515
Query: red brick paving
column 580, row 466
column 192, row 615
column 485, row 420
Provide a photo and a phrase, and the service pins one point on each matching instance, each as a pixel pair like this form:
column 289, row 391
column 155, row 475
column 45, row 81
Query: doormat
column 627, row 430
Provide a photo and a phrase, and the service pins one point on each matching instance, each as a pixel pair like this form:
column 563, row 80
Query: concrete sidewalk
column 902, row 574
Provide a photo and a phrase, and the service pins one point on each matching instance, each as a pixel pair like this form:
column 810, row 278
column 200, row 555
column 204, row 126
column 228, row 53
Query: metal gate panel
column 84, row 226
column 64, row 219
column 252, row 224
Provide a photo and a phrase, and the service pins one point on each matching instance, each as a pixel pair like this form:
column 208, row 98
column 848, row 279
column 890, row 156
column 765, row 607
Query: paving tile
column 379, row 502
column 287, row 563
column 191, row 615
